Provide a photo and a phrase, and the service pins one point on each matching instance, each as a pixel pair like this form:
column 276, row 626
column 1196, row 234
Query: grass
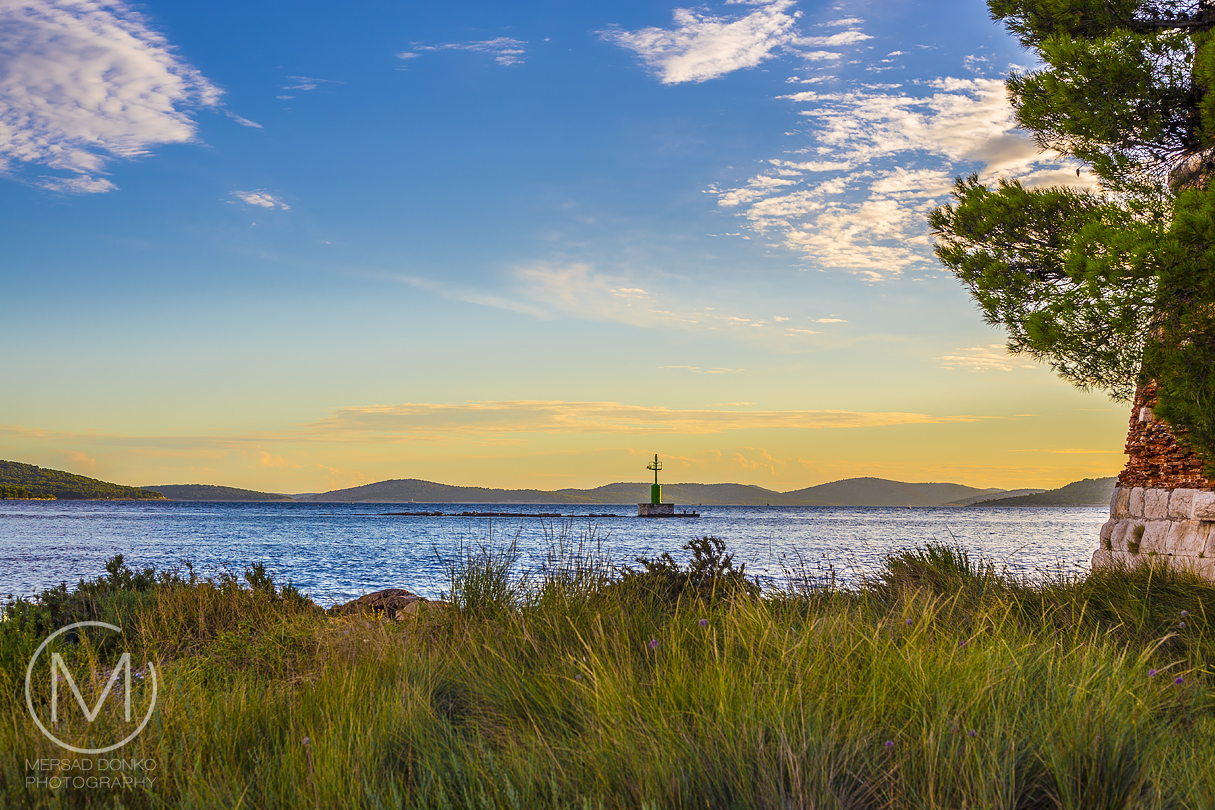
column 939, row 682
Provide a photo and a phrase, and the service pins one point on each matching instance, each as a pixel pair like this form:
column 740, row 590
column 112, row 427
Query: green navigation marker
column 656, row 490
column 656, row 508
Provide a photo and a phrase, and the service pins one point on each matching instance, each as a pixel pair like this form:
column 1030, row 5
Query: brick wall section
column 1154, row 458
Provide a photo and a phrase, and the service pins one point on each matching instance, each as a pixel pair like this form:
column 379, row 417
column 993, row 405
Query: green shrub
column 710, row 574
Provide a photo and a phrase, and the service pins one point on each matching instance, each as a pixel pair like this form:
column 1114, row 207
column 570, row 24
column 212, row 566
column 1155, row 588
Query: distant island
column 1088, row 492
column 27, row 482
column 217, row 494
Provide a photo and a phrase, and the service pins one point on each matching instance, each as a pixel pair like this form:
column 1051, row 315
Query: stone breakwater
column 1164, row 507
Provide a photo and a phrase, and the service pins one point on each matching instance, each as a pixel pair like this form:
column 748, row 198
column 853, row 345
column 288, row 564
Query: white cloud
column 819, row 56
column 993, row 357
column 830, row 320
column 83, row 83
column 846, row 21
column 883, row 157
column 977, row 64
column 81, row 184
column 261, row 198
column 836, row 40
column 702, row 47
column 504, row 50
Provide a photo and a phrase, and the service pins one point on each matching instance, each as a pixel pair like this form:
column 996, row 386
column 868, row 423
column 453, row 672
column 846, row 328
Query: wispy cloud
column 244, row 122
column 582, row 291
column 306, row 83
column 578, row 290
column 82, row 84
column 414, row 421
column 488, row 422
column 81, row 184
column 882, row 157
column 993, row 357
column 505, row 50
column 261, row 199
column 701, row 46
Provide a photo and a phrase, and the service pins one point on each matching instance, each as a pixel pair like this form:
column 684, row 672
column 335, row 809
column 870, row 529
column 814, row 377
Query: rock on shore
column 391, row 603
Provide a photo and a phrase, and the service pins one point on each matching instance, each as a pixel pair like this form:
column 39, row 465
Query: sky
column 295, row 247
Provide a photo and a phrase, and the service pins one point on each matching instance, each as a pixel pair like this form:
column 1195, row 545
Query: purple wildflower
column 703, row 622
column 1152, row 673
column 1179, row 680
column 972, row 733
column 908, row 623
column 890, row 743
column 653, row 644
column 1181, row 625
column 1185, row 613
column 962, row 643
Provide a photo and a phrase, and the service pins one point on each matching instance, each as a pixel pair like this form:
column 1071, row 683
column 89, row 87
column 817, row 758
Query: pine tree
column 1112, row 287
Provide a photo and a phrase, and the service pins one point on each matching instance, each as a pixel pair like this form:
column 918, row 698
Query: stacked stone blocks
column 1150, row 522
column 1164, row 506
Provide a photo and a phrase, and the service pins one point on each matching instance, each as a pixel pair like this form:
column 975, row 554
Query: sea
column 335, row 552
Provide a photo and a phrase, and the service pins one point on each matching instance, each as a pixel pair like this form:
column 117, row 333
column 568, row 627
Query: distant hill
column 210, row 492
column 991, row 496
column 412, row 489
column 38, row 482
column 852, row 492
column 880, row 492
column 1089, row 492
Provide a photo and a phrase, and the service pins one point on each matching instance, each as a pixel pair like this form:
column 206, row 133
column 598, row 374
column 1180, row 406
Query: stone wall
column 1154, row 458
column 1151, row 522
column 1163, row 507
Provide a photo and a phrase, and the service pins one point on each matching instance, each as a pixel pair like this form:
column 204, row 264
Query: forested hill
column 1089, row 492
column 412, row 489
column 881, row 492
column 19, row 480
column 217, row 494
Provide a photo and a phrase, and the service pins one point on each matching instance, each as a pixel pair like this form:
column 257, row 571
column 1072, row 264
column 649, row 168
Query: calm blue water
column 335, row 552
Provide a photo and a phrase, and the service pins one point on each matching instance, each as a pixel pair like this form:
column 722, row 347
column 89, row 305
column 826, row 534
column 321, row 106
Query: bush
column 709, row 575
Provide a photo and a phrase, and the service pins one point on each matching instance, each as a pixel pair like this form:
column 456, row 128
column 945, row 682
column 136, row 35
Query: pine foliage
column 1113, row 286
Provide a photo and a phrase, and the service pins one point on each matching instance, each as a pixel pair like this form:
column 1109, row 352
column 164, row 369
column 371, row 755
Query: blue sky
column 300, row 246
